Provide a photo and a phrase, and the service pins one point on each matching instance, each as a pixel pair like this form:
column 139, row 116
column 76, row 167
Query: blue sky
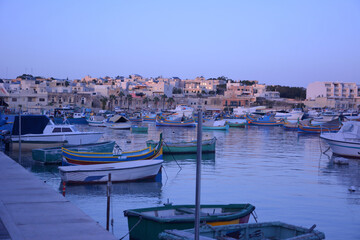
column 289, row 43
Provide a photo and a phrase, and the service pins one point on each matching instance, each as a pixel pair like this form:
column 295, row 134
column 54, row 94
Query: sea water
column 284, row 174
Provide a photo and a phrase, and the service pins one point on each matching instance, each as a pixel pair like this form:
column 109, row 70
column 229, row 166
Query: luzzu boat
column 148, row 223
column 265, row 230
column 54, row 155
column 266, row 120
column 86, row 158
column 208, row 146
column 161, row 121
column 307, row 127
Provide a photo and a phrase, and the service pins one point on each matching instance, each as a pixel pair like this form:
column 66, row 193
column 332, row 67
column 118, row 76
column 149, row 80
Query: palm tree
column 121, row 95
column 103, row 101
column 146, row 101
column 156, row 101
column 112, row 98
column 129, row 100
column 163, row 97
column 170, row 101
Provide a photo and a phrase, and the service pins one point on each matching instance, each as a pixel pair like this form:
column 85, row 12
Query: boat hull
column 31, row 141
column 156, row 220
column 224, row 128
column 208, row 146
column 120, row 172
column 343, row 148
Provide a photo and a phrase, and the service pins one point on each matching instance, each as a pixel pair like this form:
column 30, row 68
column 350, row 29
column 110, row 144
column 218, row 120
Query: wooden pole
column 108, row 193
column 198, row 175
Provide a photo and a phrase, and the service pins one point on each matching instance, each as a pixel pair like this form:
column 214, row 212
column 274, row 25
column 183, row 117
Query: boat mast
column 198, row 174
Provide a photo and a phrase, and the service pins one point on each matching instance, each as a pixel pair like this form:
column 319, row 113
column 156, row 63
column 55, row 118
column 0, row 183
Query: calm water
column 282, row 173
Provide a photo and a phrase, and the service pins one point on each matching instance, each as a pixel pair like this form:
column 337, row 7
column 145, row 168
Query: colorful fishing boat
column 85, row 158
column 246, row 231
column 236, row 122
column 266, row 120
column 161, row 121
column 120, row 172
column 96, row 121
column 54, row 155
column 292, row 126
column 183, row 147
column 307, row 127
column 148, row 223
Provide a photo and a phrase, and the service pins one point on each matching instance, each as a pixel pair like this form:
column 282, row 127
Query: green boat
column 54, row 155
column 255, row 231
column 208, row 146
column 148, row 223
column 139, row 129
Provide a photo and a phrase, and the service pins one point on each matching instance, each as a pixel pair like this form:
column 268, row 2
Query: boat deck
column 31, row 209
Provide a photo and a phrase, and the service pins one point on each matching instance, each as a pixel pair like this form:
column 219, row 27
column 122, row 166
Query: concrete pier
column 30, row 209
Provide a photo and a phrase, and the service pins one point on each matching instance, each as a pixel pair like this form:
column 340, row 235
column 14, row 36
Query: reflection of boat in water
column 138, row 189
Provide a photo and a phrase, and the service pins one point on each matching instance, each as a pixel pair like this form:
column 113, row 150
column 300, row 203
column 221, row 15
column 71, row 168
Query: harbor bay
column 285, row 174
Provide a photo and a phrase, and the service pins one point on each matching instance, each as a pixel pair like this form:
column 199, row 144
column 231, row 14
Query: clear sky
column 290, row 43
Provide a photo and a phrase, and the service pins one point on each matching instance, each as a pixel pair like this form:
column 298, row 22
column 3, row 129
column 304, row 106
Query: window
column 41, row 99
column 66, row 130
column 56, row 130
column 14, row 99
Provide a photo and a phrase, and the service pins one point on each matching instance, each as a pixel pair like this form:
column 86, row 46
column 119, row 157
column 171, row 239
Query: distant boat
column 86, row 158
column 215, row 125
column 96, row 121
column 266, row 120
column 183, row 147
column 161, row 121
column 236, row 122
column 39, row 131
column 120, row 172
column 307, row 127
column 346, row 142
column 118, row 122
column 54, row 155
column 155, row 220
column 246, row 231
column 139, row 129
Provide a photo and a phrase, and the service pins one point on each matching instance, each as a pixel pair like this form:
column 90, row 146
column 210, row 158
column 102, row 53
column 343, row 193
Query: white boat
column 183, row 110
column 118, row 122
column 96, row 121
column 120, row 172
column 39, row 131
column 294, row 114
column 346, row 142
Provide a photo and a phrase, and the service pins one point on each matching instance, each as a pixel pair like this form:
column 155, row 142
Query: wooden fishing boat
column 266, row 120
column 120, row 172
column 54, row 155
column 139, row 129
column 96, row 121
column 225, row 127
column 161, row 121
column 208, row 146
column 148, row 223
column 118, row 122
column 293, row 126
column 265, row 230
column 71, row 157
column 307, row 127
column 236, row 122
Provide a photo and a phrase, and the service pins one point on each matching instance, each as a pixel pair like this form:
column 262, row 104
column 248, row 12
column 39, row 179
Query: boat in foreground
column 208, row 146
column 157, row 219
column 39, row 131
column 54, row 155
column 71, row 157
column 346, row 142
column 120, row 172
column 265, row 230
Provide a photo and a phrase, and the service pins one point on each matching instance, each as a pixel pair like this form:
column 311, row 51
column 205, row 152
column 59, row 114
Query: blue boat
column 161, row 121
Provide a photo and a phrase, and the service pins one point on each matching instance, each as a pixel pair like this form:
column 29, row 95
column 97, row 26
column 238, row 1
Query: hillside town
column 38, row 94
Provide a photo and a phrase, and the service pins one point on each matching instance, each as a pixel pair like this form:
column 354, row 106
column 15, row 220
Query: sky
column 289, row 43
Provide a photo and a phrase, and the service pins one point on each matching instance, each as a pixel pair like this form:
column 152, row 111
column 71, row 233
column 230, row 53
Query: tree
column 146, row 101
column 170, row 101
column 112, row 98
column 129, row 100
column 121, row 95
column 103, row 101
column 163, row 98
column 156, row 101
column 67, row 83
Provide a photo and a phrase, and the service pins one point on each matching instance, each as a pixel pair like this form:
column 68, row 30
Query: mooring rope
column 173, row 156
column 140, row 218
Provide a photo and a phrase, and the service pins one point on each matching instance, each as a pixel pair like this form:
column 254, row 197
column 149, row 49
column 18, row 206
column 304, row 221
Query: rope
column 140, row 218
column 173, row 156
column 253, row 213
